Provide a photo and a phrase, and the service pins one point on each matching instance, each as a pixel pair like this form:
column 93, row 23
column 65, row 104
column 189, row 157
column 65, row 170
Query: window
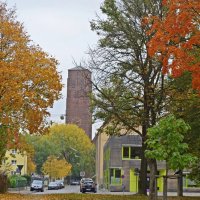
column 13, row 162
column 129, row 152
column 14, row 151
column 125, row 152
column 115, row 176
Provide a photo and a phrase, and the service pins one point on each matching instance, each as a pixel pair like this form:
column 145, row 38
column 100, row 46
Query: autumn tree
column 29, row 84
column 67, row 142
column 176, row 38
column 39, row 143
column 129, row 89
column 72, row 143
column 56, row 168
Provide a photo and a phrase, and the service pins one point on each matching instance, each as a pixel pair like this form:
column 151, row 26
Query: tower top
column 77, row 68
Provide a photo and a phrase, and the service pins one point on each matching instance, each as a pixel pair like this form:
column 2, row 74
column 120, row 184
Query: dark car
column 37, row 185
column 87, row 185
column 75, row 182
column 53, row 186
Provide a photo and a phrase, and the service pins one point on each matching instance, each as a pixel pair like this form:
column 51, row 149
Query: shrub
column 17, row 181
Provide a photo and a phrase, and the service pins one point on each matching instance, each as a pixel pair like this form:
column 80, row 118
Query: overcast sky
column 61, row 28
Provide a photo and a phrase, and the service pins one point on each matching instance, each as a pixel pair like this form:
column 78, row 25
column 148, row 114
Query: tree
column 129, row 90
column 56, row 168
column 40, row 142
column 185, row 104
column 72, row 144
column 30, row 82
column 165, row 142
column 67, row 142
column 176, row 39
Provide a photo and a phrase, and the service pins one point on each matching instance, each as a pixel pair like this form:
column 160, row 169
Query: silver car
column 37, row 185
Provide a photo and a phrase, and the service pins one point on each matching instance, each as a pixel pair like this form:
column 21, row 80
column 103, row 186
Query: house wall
column 129, row 179
column 99, row 141
column 19, row 158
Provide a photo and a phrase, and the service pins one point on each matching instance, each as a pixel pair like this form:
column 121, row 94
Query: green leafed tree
column 72, row 144
column 166, row 143
column 185, row 104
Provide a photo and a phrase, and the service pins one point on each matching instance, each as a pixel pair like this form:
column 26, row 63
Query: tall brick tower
column 79, row 87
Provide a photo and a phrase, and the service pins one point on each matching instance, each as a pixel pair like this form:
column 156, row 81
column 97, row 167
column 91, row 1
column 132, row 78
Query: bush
column 28, row 178
column 17, row 181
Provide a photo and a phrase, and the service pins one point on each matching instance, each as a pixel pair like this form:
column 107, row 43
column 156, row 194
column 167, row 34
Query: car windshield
column 37, row 182
column 87, row 179
column 52, row 183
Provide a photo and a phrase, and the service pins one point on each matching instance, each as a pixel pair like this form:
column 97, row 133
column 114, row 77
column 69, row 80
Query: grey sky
column 61, row 28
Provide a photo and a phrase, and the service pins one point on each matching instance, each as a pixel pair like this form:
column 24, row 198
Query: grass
column 12, row 196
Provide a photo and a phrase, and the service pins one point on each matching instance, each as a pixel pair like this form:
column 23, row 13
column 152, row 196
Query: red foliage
column 176, row 39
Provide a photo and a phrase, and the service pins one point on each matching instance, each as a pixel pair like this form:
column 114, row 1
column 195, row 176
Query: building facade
column 79, row 88
column 100, row 140
column 16, row 161
column 122, row 164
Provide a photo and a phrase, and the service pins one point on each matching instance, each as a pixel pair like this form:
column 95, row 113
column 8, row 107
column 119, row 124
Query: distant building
column 79, row 87
column 16, row 161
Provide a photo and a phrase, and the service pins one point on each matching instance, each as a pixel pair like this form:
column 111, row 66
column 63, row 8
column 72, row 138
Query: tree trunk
column 165, row 184
column 180, row 184
column 142, row 184
column 153, row 186
column 3, row 183
column 165, row 188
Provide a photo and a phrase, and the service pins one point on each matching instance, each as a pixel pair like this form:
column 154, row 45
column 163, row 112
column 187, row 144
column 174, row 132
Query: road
column 76, row 189
column 67, row 189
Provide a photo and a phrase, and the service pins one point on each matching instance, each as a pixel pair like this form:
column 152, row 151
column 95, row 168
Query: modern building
column 121, row 166
column 79, row 88
column 16, row 162
column 122, row 163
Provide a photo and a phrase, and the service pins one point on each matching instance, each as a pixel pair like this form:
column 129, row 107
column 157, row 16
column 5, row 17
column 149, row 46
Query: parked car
column 87, row 185
column 37, row 185
column 60, row 183
column 53, row 186
column 75, row 182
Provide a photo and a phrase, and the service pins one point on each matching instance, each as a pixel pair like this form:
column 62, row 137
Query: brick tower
column 79, row 87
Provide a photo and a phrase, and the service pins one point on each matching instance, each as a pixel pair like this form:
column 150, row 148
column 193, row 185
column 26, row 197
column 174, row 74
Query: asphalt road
column 76, row 189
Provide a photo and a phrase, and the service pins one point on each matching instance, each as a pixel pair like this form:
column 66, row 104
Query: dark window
column 125, row 152
column 111, row 172
column 117, row 173
column 135, row 152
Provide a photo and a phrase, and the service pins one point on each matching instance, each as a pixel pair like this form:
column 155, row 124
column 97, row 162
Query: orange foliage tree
column 176, row 39
column 29, row 83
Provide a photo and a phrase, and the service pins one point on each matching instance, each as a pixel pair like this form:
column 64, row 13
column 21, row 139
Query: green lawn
column 9, row 196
